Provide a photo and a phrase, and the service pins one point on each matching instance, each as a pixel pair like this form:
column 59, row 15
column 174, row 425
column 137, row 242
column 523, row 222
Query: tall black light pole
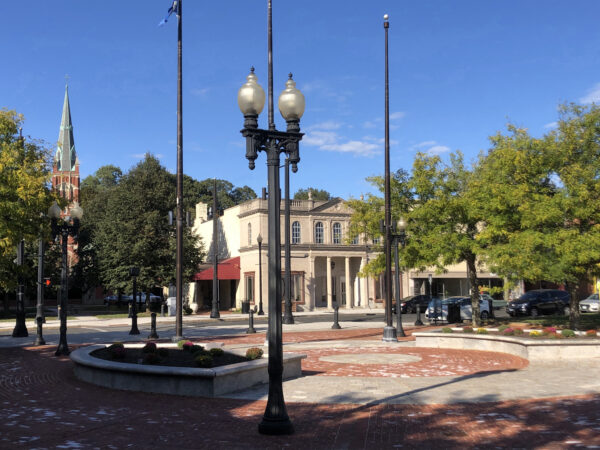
column 39, row 315
column 288, row 318
column 65, row 230
column 389, row 332
column 214, row 313
column 260, row 304
column 179, row 256
column 251, row 100
column 20, row 329
column 134, row 272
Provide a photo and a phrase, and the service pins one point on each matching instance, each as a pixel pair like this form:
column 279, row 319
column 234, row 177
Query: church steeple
column 65, row 174
column 66, row 158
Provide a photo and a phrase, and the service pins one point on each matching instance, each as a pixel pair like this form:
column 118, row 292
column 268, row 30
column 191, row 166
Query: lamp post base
column 62, row 350
column 389, row 334
column 275, row 427
column 288, row 320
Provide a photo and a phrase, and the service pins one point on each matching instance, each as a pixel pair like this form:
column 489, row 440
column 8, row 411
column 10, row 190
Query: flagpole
column 179, row 262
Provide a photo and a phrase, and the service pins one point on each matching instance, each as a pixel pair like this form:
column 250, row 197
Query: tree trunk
column 574, row 314
column 472, row 272
column 5, row 304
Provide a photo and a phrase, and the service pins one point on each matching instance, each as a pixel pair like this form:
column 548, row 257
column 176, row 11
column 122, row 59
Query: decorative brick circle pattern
column 433, row 362
column 74, row 414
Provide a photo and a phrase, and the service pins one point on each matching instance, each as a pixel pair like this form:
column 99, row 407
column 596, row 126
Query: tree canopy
column 317, row 194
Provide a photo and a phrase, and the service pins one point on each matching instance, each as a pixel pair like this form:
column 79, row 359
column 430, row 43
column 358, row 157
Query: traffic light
column 47, row 282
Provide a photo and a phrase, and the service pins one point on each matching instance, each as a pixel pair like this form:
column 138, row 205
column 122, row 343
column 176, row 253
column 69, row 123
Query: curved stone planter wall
column 188, row 381
column 535, row 350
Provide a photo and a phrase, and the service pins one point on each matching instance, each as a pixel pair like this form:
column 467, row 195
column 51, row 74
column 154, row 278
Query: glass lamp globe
column 251, row 96
column 401, row 224
column 54, row 211
column 291, row 101
column 77, row 211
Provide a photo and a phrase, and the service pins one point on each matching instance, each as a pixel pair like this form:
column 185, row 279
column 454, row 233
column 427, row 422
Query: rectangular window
column 249, row 282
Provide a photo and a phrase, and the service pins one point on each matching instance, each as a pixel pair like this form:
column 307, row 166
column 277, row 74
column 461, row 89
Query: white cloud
column 397, row 115
column 592, row 96
column 143, row 155
column 333, row 142
column 199, row 92
column 551, row 125
column 328, row 125
column 378, row 121
column 430, row 148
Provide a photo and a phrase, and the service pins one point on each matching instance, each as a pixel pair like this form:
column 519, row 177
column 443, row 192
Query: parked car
column 114, row 299
column 590, row 304
column 540, row 301
column 464, row 303
column 408, row 305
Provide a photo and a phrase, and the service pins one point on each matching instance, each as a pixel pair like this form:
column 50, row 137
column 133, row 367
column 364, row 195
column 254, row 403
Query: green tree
column 444, row 220
column 195, row 191
column 317, row 194
column 539, row 198
column 364, row 225
column 24, row 193
column 133, row 230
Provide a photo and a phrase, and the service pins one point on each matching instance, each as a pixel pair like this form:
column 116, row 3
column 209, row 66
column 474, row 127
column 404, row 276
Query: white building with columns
column 324, row 267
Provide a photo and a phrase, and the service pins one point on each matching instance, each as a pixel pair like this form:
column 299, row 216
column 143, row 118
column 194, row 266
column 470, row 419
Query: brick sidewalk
column 45, row 406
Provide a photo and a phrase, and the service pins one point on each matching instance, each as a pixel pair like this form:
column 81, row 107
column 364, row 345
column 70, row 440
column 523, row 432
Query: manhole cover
column 371, row 358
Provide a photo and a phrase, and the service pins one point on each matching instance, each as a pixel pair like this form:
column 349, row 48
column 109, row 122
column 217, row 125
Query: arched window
column 319, row 233
column 296, row 232
column 249, row 234
column 337, row 233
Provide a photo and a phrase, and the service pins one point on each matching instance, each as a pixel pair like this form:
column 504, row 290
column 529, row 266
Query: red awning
column 229, row 269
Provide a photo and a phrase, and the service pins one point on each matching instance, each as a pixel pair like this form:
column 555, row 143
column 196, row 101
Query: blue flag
column 172, row 9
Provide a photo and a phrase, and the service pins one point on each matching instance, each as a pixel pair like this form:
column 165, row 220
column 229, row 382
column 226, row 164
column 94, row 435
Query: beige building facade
column 324, row 266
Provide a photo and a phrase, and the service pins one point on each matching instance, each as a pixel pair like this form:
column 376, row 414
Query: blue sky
column 459, row 71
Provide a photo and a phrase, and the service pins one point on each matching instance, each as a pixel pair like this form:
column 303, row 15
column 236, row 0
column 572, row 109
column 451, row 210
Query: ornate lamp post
column 288, row 318
column 399, row 236
column 389, row 332
column 65, row 230
column 20, row 329
column 39, row 316
column 260, row 305
column 251, row 100
column 214, row 313
column 134, row 272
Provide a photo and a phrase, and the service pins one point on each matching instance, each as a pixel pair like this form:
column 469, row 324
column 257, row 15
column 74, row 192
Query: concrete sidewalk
column 410, row 397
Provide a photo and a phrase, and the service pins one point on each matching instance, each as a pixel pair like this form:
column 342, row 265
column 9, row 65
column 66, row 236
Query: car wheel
column 484, row 315
column 566, row 310
column 534, row 312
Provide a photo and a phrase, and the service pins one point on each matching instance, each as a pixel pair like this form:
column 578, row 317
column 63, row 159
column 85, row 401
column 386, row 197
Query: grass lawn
column 586, row 321
column 121, row 315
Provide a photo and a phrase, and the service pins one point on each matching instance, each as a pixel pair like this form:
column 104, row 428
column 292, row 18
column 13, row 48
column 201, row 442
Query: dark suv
column 540, row 301
column 409, row 304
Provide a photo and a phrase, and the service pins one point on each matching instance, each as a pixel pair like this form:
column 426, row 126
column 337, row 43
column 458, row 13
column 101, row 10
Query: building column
column 364, row 298
column 312, row 291
column 329, row 287
column 349, row 287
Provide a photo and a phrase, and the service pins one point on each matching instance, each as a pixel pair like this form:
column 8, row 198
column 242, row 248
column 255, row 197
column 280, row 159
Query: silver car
column 590, row 304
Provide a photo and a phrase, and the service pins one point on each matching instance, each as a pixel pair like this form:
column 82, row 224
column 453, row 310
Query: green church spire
column 65, row 157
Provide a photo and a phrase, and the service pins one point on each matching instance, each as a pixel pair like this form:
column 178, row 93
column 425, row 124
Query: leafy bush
column 204, row 360
column 182, row 342
column 254, row 353
column 549, row 330
column 216, row 352
column 447, row 330
column 501, row 328
column 508, row 332
column 568, row 333
column 117, row 350
column 518, row 331
column 187, row 310
column 116, row 345
column 482, row 331
column 151, row 358
column 150, row 347
column 591, row 333
column 163, row 352
column 467, row 329
column 194, row 349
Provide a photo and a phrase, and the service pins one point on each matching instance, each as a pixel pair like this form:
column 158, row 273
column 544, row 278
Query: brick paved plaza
column 45, row 406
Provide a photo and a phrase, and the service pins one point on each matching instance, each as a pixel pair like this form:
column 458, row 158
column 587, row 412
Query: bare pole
column 179, row 256
column 270, row 63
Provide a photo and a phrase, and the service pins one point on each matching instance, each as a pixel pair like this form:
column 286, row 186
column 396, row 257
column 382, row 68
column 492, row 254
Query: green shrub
column 115, row 345
column 518, row 331
column 204, row 360
column 254, row 353
column 482, row 331
column 467, row 329
column 163, row 352
column 116, row 350
column 195, row 349
column 150, row 347
column 568, row 333
column 216, row 352
column 447, row 330
column 187, row 310
column 181, row 342
column 501, row 328
column 151, row 358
